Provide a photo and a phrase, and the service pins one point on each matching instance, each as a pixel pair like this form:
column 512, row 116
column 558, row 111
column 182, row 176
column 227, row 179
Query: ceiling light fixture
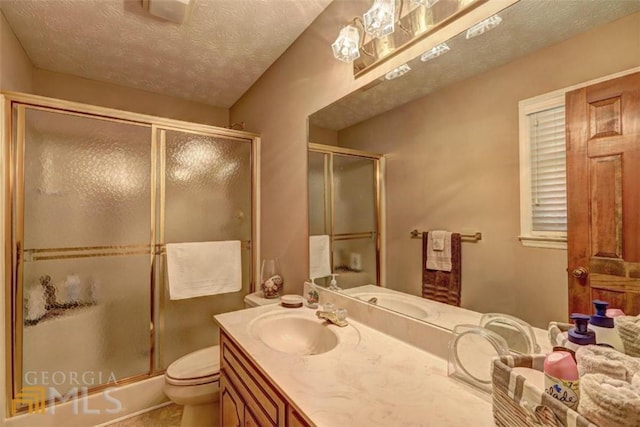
column 346, row 46
column 397, row 72
column 434, row 52
column 379, row 19
column 484, row 26
column 350, row 41
column 426, row 3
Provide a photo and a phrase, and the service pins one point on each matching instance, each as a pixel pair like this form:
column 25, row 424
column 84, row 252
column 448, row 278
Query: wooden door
column 603, row 193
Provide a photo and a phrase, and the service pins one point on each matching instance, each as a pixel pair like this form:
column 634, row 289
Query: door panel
column 603, row 172
column 606, row 206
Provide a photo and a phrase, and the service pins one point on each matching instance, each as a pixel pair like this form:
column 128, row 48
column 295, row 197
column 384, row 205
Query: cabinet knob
column 580, row 273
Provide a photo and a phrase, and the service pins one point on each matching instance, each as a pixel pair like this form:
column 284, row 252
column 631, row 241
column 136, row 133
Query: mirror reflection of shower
column 344, row 210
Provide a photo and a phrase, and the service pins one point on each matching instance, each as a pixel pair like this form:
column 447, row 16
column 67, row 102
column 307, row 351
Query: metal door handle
column 580, row 273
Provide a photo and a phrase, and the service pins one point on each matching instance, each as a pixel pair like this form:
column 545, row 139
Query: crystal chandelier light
column 434, row 52
column 397, row 72
column 346, row 47
column 379, row 20
column 483, row 26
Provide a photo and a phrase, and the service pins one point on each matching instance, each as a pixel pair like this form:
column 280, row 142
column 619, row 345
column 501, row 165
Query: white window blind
column 548, row 171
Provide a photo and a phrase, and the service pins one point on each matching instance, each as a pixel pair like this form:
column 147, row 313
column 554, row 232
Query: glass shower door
column 344, row 188
column 355, row 219
column 83, row 219
column 206, row 196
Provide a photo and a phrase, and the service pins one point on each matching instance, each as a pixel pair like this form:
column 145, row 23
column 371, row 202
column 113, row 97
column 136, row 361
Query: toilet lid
column 200, row 367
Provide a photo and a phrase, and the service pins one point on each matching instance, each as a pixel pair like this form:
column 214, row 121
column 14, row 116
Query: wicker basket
column 518, row 403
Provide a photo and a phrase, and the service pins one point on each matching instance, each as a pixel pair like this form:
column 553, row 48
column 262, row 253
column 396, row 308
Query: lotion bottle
column 333, row 284
column 311, row 295
column 604, row 327
column 581, row 334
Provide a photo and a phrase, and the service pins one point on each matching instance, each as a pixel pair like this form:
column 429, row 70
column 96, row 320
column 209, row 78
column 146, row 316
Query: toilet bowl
column 194, row 379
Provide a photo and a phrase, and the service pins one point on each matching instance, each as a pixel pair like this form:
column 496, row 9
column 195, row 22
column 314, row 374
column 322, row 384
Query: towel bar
column 415, row 234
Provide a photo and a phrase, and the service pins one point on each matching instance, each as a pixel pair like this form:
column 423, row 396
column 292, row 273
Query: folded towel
column 438, row 239
column 439, row 259
column 594, row 359
column 319, row 256
column 203, row 268
column 608, row 402
column 629, row 329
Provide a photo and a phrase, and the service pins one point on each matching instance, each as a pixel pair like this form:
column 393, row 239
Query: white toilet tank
column 257, row 299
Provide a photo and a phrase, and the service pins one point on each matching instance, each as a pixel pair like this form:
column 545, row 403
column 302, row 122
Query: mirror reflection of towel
column 438, row 238
column 439, row 259
column 319, row 256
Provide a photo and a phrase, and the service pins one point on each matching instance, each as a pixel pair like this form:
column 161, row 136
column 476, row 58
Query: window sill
column 544, row 242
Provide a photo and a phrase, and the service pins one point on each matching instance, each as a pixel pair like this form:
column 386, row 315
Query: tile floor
column 167, row 416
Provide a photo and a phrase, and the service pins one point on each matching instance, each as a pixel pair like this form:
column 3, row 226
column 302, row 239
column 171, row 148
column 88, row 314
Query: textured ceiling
column 527, row 26
column 213, row 58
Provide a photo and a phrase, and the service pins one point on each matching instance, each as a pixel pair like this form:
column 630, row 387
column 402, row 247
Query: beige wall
column 15, row 67
column 306, row 78
column 454, row 165
column 73, row 88
column 324, row 136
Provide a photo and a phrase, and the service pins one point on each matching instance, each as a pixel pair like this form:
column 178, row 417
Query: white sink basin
column 294, row 334
column 395, row 303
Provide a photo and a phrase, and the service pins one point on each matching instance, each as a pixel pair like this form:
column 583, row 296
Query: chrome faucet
column 372, row 300
column 332, row 317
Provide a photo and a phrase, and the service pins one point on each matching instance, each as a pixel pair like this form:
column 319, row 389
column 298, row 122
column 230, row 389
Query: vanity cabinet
column 247, row 396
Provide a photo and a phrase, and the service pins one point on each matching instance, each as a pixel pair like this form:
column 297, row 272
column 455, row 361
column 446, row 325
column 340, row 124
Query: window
column 543, row 183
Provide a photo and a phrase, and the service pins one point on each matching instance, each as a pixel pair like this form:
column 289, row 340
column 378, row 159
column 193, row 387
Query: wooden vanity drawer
column 266, row 405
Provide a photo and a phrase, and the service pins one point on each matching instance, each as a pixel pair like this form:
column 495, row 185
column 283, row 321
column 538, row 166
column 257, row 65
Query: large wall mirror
column 448, row 132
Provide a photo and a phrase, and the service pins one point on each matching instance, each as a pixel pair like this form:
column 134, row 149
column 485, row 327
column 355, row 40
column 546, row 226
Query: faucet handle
column 341, row 314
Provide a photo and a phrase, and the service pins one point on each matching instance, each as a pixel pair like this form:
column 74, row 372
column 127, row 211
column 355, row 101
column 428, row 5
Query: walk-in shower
column 91, row 197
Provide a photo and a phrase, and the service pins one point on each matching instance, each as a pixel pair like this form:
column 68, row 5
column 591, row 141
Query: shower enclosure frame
column 329, row 200
column 13, row 255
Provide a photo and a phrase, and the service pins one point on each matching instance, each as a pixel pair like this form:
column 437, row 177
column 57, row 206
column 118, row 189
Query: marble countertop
column 369, row 379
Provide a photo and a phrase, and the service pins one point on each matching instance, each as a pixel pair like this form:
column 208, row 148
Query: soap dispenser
column 604, row 327
column 333, row 284
column 580, row 334
column 311, row 294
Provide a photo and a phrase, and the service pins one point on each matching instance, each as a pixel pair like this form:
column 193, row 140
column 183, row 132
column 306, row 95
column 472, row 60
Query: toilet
column 194, row 380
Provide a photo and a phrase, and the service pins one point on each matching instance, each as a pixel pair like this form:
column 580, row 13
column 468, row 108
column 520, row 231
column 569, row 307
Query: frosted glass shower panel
column 99, row 327
column 208, row 188
column 86, row 181
column 354, row 194
column 355, row 261
column 207, row 198
column 318, row 218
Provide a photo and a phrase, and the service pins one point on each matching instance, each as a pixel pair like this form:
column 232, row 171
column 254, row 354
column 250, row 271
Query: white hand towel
column 438, row 238
column 629, row 329
column 593, row 359
column 439, row 259
column 608, row 402
column 319, row 256
column 203, row 268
